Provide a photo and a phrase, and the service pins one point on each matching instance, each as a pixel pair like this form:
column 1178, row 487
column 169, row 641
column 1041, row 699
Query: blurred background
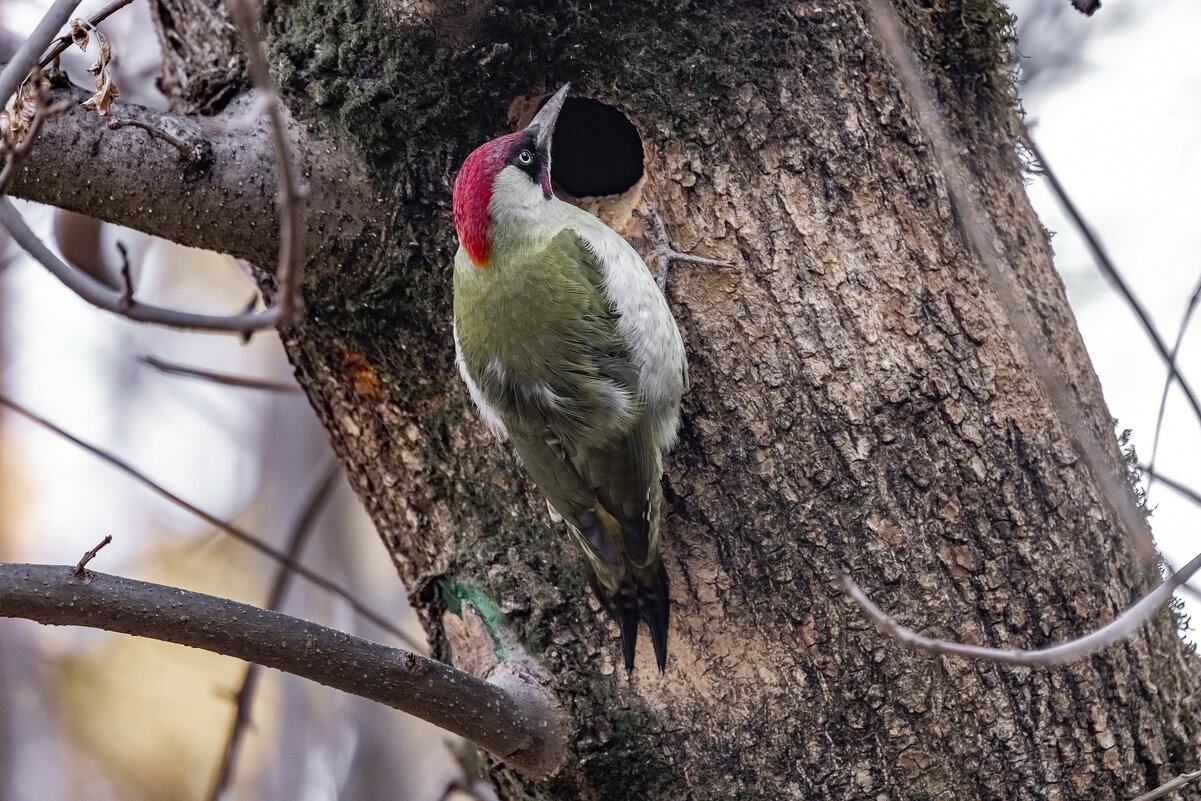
column 1113, row 102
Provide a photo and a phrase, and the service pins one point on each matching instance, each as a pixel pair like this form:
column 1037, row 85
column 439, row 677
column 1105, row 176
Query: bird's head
column 505, row 178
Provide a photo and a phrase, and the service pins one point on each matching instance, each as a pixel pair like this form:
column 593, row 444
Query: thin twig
column 213, row 377
column 1115, row 278
column 126, row 299
column 1172, row 786
column 1120, row 628
column 290, row 197
column 1172, row 484
column 244, row 700
column 216, row 522
column 1189, row 493
column 60, row 46
column 90, row 555
column 1189, row 308
column 979, row 234
column 189, row 152
column 104, row 297
column 514, row 718
column 17, row 70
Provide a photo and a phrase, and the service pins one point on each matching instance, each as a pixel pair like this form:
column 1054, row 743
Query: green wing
column 563, row 384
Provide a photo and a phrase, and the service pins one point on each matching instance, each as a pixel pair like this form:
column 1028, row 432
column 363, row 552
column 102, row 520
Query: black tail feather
column 655, row 606
column 625, row 611
column 632, row 603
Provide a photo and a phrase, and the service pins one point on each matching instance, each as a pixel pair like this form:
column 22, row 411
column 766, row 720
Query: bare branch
column 1169, row 787
column 26, row 57
column 244, row 700
column 517, row 723
column 1123, row 626
column 187, row 151
column 288, row 202
column 98, row 294
column 64, row 42
column 1189, row 308
column 979, row 234
column 221, row 203
column 216, row 522
column 90, row 555
column 1111, row 272
column 290, row 196
column 103, row 297
column 213, row 377
column 1172, row 484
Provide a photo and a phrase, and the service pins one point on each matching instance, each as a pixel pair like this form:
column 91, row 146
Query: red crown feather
column 473, row 194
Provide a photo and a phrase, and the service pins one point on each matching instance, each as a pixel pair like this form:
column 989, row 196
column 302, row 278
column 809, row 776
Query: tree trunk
column 859, row 402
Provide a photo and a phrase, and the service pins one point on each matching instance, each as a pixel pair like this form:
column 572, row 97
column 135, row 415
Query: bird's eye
column 525, row 157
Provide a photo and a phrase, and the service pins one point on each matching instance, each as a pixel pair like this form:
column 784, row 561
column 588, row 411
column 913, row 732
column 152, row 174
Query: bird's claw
column 665, row 254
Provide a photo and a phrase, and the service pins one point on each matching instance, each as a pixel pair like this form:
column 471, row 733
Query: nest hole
column 596, row 149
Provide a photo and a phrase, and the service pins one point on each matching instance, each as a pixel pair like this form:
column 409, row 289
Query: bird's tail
column 637, row 599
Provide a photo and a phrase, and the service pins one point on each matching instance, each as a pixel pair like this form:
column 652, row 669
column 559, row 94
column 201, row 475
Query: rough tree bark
column 859, row 399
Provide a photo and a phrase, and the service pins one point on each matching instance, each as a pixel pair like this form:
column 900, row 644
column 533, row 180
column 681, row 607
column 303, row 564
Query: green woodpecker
column 568, row 348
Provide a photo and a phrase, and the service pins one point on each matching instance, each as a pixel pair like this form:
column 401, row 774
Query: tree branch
column 1120, row 628
column 60, row 47
column 26, row 57
column 81, row 567
column 214, row 377
column 517, row 723
column 224, row 202
column 1106, row 265
column 1189, row 308
column 122, row 302
column 216, row 522
column 1171, row 786
column 290, row 196
column 1183, row 489
column 289, row 207
column 191, row 152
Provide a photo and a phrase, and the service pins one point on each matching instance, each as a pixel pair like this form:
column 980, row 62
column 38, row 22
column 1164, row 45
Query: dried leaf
column 79, row 34
column 22, row 107
column 106, row 93
column 106, row 88
column 106, row 55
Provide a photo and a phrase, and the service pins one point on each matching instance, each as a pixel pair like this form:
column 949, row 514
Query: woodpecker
column 568, row 348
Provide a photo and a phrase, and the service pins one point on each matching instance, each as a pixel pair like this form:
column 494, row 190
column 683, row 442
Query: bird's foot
column 665, row 254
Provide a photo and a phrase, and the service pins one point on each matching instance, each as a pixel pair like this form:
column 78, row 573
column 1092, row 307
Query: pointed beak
column 543, row 124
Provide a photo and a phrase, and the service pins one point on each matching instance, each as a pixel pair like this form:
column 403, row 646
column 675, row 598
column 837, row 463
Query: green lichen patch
column 457, row 593
column 415, row 100
column 969, row 47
